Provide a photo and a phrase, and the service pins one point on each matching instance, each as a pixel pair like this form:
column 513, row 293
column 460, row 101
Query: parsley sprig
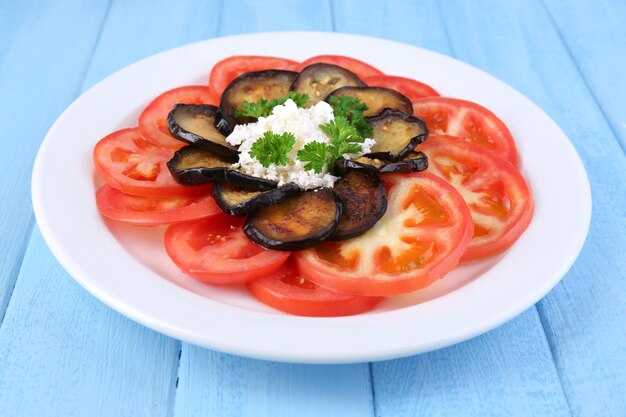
column 273, row 148
column 263, row 107
column 352, row 109
column 344, row 139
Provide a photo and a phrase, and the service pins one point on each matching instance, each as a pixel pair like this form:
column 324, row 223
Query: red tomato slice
column 421, row 237
column 216, row 251
column 153, row 120
column 130, row 163
column 152, row 211
column 496, row 193
column 360, row 68
column 230, row 68
column 412, row 89
column 288, row 291
column 468, row 121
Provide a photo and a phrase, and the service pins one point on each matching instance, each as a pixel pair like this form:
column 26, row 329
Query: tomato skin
column 133, row 165
column 431, row 225
column 468, row 121
column 153, row 120
column 230, row 68
column 285, row 290
column 360, row 68
column 497, row 195
column 412, row 89
column 215, row 250
column 153, row 211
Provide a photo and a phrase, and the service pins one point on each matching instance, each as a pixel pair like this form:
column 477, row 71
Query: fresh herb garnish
column 344, row 139
column 263, row 107
column 273, row 148
column 352, row 109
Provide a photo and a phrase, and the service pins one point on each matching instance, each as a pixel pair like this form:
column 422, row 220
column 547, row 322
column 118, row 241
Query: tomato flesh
column 216, row 251
column 153, row 120
column 496, row 193
column 153, row 211
column 421, row 237
column 360, row 68
column 412, row 89
column 226, row 70
column 288, row 291
column 134, row 165
column 468, row 121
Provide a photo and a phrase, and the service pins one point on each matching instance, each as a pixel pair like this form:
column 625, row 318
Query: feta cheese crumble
column 303, row 124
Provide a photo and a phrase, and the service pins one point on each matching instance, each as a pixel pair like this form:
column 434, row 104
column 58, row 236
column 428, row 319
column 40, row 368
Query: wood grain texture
column 66, row 354
column 37, row 41
column 509, row 371
column 217, row 384
column 212, row 383
column 595, row 36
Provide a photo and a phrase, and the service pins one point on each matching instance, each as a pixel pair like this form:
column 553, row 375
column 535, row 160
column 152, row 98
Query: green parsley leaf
column 272, row 148
column 263, row 107
column 343, row 136
column 316, row 155
column 352, row 109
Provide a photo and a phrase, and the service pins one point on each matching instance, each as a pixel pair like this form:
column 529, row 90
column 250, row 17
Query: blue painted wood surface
column 64, row 353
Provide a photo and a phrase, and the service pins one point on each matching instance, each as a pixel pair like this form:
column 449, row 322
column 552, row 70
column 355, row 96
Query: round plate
column 128, row 269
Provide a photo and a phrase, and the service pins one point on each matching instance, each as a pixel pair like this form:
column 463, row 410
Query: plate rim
column 80, row 275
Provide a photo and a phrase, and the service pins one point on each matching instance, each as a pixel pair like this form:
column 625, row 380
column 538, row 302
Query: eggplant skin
column 195, row 124
column 396, row 134
column 364, row 201
column 320, row 79
column 297, row 222
column 343, row 166
column 238, row 201
column 412, row 162
column 251, row 86
column 377, row 99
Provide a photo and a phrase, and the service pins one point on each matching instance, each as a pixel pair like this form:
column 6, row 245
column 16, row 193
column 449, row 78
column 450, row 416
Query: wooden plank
column 78, row 356
column 595, row 35
column 45, row 48
column 217, row 384
column 213, row 383
column 474, row 375
column 584, row 317
column 502, row 373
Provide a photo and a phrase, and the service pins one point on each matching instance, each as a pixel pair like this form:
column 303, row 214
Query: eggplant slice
column 396, row 133
column 195, row 124
column 238, row 201
column 250, row 87
column 376, row 99
column 319, row 80
column 195, row 166
column 412, row 162
column 297, row 222
column 364, row 202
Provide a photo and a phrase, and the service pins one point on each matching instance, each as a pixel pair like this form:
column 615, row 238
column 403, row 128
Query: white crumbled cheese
column 304, row 125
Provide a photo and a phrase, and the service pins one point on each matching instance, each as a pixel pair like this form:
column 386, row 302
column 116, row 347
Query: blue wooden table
column 63, row 353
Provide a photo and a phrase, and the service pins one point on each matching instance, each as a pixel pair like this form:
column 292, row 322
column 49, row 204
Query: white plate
column 128, row 269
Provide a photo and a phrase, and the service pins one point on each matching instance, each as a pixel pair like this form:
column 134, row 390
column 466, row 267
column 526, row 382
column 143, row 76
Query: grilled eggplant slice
column 343, row 166
column 238, row 201
column 396, row 133
column 376, row 99
column 319, row 80
column 364, row 202
column 297, row 222
column 251, row 86
column 195, row 124
column 412, row 162
column 195, row 166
